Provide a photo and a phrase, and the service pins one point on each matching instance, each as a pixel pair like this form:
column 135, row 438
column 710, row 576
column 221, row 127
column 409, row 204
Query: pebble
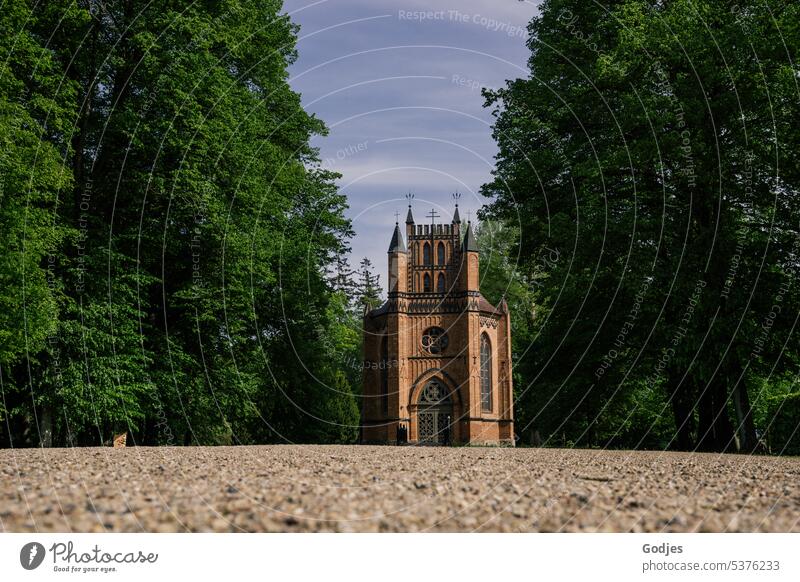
column 393, row 489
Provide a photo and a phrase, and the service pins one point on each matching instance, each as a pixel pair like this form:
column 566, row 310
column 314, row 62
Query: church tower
column 437, row 354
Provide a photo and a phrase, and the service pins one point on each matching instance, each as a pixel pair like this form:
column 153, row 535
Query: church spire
column 409, row 216
column 470, row 244
column 397, row 245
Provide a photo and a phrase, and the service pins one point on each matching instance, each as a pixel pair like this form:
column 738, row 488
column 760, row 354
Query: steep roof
column 485, row 306
column 397, row 244
column 409, row 216
column 470, row 244
column 456, row 216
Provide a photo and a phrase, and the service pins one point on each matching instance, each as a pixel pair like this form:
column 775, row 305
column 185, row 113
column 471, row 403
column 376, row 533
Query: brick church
column 437, row 354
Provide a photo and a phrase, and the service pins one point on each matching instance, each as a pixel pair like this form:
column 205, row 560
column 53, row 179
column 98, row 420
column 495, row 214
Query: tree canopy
column 166, row 229
column 173, row 251
column 649, row 164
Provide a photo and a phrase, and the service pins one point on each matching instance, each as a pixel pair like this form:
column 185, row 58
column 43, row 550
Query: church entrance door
column 434, row 415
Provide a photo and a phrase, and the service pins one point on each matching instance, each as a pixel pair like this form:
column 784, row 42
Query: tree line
column 166, row 230
column 647, row 182
column 173, row 251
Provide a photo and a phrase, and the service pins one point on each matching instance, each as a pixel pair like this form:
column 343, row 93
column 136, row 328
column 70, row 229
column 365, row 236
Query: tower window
column 486, row 373
column 440, row 254
column 385, row 376
column 440, row 283
column 426, row 254
column 427, row 283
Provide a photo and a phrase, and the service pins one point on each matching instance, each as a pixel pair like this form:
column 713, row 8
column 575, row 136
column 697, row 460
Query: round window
column 434, row 340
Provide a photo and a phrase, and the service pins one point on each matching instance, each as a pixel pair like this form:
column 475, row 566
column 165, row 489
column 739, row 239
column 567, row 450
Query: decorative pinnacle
column 409, row 216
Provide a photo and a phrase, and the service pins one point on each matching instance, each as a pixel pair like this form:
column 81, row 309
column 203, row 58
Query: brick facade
column 437, row 355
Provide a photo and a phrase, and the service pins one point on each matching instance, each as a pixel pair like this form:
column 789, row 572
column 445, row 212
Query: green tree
column 642, row 151
column 36, row 108
column 368, row 289
column 193, row 233
column 341, row 277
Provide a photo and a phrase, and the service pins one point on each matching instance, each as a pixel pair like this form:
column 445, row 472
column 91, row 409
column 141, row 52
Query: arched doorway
column 434, row 415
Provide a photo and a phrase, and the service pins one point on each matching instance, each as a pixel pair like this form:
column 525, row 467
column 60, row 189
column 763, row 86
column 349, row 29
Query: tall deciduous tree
column 193, row 231
column 653, row 149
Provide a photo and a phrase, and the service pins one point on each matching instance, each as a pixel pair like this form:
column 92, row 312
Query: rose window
column 435, row 340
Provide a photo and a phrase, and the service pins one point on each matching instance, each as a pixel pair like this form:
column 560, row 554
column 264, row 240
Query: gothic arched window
column 426, row 254
column 440, row 254
column 384, row 375
column 440, row 283
column 486, row 373
column 427, row 283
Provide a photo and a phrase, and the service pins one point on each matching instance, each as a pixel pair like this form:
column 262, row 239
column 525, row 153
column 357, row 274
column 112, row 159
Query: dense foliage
column 165, row 230
column 650, row 167
column 172, row 251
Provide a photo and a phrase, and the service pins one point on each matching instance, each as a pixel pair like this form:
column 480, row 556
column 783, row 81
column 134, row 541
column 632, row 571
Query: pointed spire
column 456, row 216
column 410, row 217
column 397, row 245
column 470, row 244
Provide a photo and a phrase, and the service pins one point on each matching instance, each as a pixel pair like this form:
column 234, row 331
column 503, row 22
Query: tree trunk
column 715, row 431
column 705, row 424
column 723, row 427
column 684, row 417
column 746, row 427
column 46, row 427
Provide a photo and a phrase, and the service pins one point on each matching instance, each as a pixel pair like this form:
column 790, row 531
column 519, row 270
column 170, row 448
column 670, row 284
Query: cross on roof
column 396, row 216
column 433, row 216
column 469, row 215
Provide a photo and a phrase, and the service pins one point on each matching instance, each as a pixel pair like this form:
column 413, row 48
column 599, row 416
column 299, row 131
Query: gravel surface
column 361, row 488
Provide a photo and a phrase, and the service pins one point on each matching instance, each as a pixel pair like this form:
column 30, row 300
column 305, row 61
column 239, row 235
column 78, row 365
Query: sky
column 398, row 84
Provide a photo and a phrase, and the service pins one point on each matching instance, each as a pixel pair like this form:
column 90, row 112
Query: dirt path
column 352, row 488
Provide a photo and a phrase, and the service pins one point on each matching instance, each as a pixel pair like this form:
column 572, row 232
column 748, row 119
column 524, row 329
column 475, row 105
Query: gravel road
column 362, row 488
